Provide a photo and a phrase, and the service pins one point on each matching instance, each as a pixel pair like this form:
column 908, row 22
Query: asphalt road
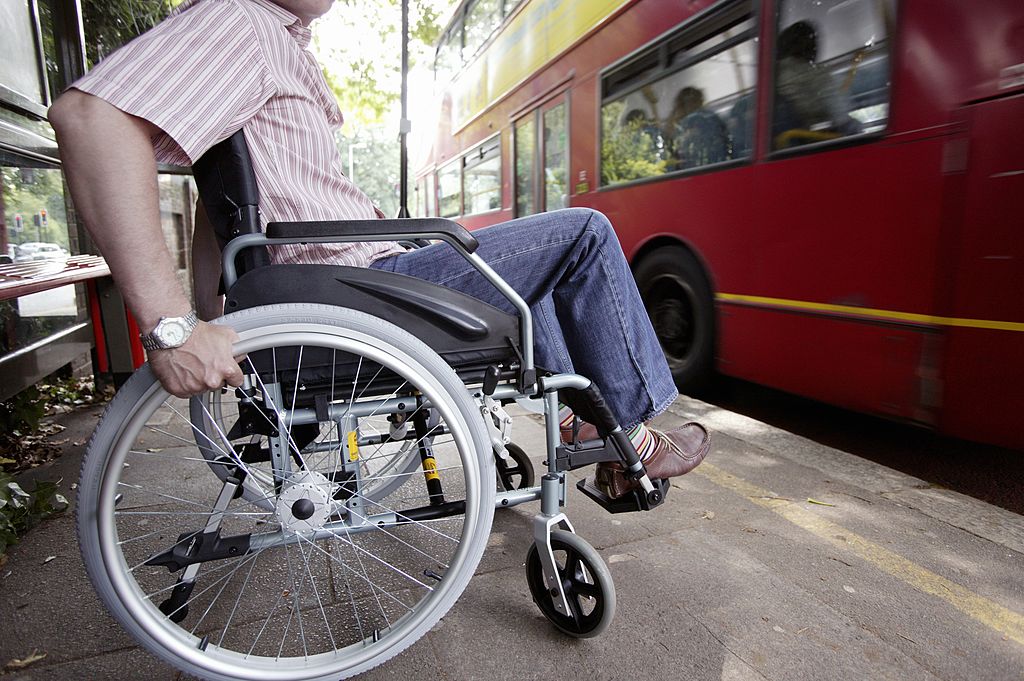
column 988, row 473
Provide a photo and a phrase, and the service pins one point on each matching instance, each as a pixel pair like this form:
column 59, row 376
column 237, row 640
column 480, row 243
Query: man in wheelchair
column 219, row 66
column 344, row 377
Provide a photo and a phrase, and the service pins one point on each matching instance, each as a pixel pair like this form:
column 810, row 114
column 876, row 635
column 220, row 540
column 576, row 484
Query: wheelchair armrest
column 377, row 230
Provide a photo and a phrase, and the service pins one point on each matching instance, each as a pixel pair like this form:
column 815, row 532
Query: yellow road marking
column 989, row 613
column 870, row 312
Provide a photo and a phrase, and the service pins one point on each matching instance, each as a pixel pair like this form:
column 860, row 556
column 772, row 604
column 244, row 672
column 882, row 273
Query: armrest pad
column 357, row 230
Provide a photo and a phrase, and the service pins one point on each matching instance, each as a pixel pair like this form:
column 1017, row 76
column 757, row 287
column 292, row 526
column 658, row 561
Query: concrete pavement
column 777, row 559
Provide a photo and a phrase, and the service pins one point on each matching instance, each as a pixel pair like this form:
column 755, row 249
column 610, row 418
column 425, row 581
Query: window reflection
column 450, row 189
column 699, row 114
column 34, row 236
column 831, row 70
column 526, row 144
column 555, row 159
column 483, row 178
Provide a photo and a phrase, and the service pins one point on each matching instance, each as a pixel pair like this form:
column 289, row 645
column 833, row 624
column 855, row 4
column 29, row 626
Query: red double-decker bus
column 822, row 196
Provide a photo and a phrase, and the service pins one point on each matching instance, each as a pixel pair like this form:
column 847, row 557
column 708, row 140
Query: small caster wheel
column 515, row 472
column 587, row 583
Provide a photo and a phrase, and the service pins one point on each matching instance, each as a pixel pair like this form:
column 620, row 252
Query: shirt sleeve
column 198, row 76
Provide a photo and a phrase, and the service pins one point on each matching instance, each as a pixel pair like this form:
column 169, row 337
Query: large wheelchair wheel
column 286, row 556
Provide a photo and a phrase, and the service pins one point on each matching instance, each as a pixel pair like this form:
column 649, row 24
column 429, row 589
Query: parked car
column 39, row 250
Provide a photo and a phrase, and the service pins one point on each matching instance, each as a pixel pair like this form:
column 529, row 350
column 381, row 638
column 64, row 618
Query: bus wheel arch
column 677, row 292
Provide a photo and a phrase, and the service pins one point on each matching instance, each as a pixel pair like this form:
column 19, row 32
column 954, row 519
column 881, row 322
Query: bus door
column 541, row 158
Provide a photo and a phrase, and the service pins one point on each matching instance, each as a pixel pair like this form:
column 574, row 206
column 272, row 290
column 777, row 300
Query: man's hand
column 204, row 362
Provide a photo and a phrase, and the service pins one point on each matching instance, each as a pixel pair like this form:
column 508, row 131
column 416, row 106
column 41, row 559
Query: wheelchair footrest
column 628, row 503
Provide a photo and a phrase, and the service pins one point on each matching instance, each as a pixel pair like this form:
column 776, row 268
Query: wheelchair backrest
column 230, row 196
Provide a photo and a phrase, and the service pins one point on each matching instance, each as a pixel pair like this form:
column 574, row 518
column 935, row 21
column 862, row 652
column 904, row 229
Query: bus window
column 483, row 177
column 525, row 159
column 831, row 70
column 556, row 160
column 448, row 56
column 449, row 182
column 429, row 197
column 683, row 103
column 481, row 20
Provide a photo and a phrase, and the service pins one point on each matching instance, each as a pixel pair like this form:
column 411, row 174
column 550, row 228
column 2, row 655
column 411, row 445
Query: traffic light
column 19, row 222
column 42, row 217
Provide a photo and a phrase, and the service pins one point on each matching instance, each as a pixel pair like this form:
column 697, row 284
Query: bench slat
column 21, row 279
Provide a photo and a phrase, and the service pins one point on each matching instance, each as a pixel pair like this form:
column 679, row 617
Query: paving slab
column 780, row 559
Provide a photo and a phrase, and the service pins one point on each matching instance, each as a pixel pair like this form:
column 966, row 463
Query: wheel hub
column 305, row 503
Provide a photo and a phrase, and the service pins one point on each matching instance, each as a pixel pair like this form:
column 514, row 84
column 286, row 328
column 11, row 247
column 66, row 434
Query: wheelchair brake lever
column 499, row 425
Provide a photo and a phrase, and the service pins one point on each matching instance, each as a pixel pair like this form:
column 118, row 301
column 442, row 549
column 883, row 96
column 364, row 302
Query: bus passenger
column 807, row 98
column 217, row 66
column 699, row 137
column 644, row 135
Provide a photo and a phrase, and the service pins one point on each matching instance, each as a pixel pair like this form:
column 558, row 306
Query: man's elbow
column 78, row 113
column 71, row 112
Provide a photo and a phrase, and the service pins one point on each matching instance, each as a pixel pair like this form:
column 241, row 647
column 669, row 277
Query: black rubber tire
column 572, row 553
column 516, row 472
column 679, row 301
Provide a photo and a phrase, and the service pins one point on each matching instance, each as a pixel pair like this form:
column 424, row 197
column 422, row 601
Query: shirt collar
column 301, row 33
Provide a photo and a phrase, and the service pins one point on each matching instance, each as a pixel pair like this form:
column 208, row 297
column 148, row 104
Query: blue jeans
column 588, row 315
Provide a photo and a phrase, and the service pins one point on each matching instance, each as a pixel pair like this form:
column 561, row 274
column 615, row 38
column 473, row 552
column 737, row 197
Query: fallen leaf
column 819, row 503
column 708, row 515
column 21, row 664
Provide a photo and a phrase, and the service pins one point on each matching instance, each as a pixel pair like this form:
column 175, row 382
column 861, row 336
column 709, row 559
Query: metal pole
column 405, row 126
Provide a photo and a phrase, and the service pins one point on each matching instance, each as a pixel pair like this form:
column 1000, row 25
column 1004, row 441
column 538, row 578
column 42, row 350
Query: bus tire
column 677, row 295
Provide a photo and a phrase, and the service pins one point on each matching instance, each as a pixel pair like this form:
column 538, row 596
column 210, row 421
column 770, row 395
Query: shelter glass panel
column 33, row 233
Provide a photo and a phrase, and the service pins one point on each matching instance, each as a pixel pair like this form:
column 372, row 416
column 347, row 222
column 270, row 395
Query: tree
column 109, row 24
column 359, row 45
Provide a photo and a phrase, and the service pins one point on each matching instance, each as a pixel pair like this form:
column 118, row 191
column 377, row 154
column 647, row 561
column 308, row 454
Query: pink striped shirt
column 220, row 65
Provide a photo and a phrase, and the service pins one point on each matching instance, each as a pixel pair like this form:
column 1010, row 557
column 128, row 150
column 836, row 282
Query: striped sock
column 643, row 440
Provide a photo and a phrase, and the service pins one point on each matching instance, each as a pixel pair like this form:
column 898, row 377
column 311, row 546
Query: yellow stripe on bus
column 890, row 315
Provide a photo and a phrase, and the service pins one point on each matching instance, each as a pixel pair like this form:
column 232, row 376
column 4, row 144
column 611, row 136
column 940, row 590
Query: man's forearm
column 111, row 170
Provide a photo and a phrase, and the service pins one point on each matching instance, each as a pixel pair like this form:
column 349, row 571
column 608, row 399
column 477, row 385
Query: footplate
column 629, row 502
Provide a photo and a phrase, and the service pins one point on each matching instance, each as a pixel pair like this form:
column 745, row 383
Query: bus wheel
column 678, row 299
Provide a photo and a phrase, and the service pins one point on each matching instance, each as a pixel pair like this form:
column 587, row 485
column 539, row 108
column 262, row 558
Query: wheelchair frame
column 298, row 501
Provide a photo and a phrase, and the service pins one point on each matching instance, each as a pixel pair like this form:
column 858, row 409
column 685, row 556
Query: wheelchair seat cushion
column 468, row 333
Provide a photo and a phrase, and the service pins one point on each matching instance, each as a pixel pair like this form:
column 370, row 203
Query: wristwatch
column 170, row 332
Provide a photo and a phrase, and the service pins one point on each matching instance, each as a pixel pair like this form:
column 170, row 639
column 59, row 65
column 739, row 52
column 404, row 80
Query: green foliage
column 374, row 164
column 626, row 152
column 359, row 46
column 26, row 191
column 109, row 24
column 25, row 433
column 22, row 413
column 20, row 511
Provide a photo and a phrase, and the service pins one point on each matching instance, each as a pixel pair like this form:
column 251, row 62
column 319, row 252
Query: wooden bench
column 109, row 329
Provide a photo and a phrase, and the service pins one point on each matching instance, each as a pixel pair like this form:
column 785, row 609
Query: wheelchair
column 321, row 518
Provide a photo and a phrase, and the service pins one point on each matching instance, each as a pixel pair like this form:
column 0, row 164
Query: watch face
column 172, row 333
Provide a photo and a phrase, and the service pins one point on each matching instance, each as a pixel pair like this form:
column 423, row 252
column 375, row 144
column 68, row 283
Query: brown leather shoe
column 585, row 433
column 677, row 452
